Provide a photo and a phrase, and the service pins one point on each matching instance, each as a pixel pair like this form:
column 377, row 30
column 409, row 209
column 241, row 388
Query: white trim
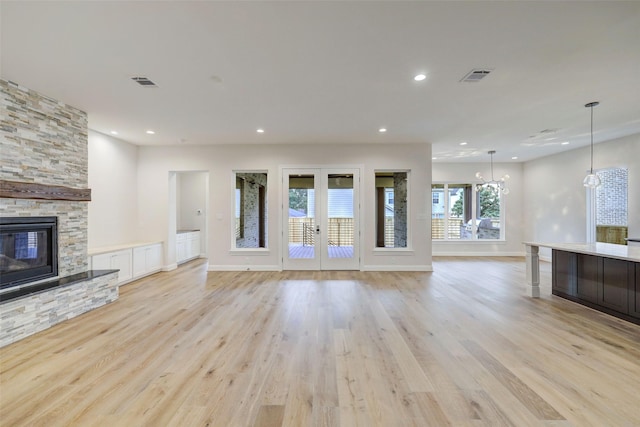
column 393, row 252
column 470, row 241
column 170, row 267
column 590, row 202
column 234, row 173
column 250, row 251
column 244, row 267
column 393, row 267
column 481, row 254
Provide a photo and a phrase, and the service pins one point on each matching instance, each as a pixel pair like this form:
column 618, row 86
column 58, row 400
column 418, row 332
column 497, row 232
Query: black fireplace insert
column 28, row 249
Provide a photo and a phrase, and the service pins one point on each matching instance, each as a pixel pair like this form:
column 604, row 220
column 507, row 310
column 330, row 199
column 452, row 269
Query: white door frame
column 321, row 259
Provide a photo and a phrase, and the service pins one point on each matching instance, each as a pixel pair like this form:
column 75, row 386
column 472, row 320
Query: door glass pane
column 302, row 226
column 340, row 216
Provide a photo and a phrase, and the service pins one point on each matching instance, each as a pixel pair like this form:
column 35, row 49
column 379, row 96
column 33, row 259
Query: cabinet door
column 181, row 250
column 139, row 261
column 564, row 272
column 589, row 280
column 194, row 245
column 615, row 281
column 153, row 257
column 121, row 260
column 101, row 262
column 634, row 290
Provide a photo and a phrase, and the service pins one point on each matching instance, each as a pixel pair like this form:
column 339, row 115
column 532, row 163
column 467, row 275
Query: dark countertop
column 56, row 283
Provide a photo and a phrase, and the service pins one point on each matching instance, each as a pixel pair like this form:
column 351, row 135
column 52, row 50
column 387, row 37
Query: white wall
column 155, row 163
column 555, row 202
column 113, row 177
column 465, row 173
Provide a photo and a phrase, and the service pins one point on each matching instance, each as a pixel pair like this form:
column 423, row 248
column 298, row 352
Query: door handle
column 317, row 229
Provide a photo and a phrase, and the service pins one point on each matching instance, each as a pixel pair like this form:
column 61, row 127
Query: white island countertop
column 607, row 250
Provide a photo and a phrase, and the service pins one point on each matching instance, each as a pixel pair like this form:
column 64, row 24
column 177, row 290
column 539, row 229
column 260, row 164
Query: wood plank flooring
column 461, row 346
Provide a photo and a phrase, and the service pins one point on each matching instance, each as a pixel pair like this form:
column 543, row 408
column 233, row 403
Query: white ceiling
column 335, row 72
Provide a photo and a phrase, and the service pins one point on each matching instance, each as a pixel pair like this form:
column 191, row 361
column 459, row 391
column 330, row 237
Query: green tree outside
column 298, row 199
column 489, row 203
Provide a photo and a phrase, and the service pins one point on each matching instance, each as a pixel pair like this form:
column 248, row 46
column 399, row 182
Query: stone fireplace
column 44, row 173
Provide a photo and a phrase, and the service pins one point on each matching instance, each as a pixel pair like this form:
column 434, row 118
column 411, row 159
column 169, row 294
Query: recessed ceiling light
column 514, row 158
column 114, row 132
column 382, row 130
column 463, row 143
column 564, row 143
column 420, row 77
column 434, row 158
column 150, row 132
column 260, row 130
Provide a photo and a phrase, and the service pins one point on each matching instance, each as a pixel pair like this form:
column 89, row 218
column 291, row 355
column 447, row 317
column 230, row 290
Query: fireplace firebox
column 28, row 249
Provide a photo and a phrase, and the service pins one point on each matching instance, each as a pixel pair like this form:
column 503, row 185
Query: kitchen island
column 602, row 276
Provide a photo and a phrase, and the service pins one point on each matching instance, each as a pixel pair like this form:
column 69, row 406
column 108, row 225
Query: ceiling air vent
column 476, row 75
column 144, row 81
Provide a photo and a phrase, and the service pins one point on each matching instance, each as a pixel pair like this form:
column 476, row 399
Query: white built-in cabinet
column 147, row 259
column 134, row 261
column 187, row 245
column 117, row 260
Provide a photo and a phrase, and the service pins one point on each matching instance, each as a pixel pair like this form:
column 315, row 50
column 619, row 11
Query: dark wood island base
column 601, row 276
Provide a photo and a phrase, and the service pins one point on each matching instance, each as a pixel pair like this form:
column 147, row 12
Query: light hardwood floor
column 461, row 346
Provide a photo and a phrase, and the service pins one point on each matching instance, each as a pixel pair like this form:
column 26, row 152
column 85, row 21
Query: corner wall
column 113, row 178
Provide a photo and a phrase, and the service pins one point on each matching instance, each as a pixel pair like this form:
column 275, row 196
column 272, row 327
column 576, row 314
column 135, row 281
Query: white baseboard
column 387, row 267
column 248, row 267
column 519, row 254
column 170, row 267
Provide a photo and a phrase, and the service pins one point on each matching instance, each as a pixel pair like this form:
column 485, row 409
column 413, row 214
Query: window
column 392, row 190
column 611, row 206
column 466, row 212
column 250, row 210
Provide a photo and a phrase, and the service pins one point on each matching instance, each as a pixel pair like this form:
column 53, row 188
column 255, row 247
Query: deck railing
column 302, row 230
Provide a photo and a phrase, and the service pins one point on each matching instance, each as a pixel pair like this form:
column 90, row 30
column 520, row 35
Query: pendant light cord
column 492, row 167
column 592, row 139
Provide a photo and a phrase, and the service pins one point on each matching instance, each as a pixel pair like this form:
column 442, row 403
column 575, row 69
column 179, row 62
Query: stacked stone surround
column 20, row 318
column 44, row 141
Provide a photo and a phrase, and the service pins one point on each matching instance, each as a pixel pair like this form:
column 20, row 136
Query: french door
column 321, row 219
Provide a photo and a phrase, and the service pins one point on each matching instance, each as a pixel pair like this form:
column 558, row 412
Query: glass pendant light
column 499, row 184
column 591, row 180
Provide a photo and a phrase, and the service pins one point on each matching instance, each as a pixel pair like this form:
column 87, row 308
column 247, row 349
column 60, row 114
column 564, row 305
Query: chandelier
column 493, row 183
